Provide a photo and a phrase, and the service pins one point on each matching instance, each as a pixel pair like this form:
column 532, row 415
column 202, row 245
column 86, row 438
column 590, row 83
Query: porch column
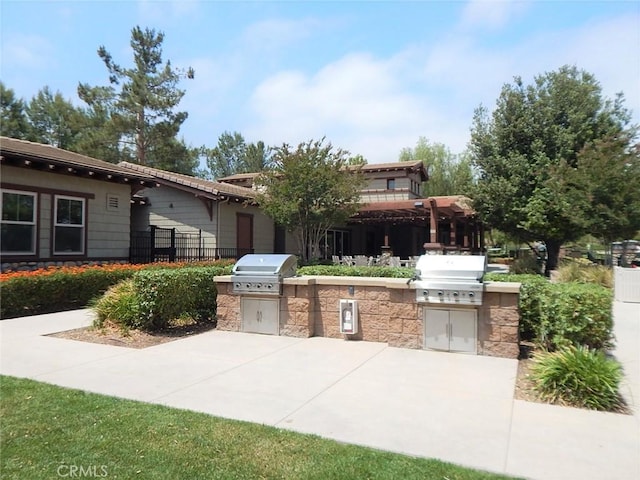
column 433, row 221
column 454, row 226
column 467, row 232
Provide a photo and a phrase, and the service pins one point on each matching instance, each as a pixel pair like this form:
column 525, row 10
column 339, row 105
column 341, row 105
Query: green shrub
column 553, row 315
column 579, row 377
column 578, row 272
column 120, row 304
column 526, row 264
column 350, row 271
column 576, row 314
column 67, row 288
column 532, row 303
column 55, row 292
column 169, row 294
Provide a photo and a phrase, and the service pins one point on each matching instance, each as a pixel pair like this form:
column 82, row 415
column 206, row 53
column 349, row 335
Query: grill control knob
column 440, row 293
column 471, row 294
column 455, row 294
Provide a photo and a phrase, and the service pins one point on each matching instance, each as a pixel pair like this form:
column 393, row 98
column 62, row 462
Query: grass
column 47, row 431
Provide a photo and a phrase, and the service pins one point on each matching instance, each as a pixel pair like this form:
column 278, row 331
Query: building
column 63, row 208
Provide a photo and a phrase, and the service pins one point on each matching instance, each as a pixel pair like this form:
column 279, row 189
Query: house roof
column 417, row 209
column 417, row 166
column 38, row 156
column 198, row 186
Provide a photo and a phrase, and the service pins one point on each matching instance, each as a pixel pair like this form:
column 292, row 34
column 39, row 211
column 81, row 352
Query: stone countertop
column 394, row 283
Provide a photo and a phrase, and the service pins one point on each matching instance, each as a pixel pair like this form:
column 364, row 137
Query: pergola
column 450, row 220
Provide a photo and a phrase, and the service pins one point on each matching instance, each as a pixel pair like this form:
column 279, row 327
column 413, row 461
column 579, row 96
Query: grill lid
column 262, row 264
column 455, row 268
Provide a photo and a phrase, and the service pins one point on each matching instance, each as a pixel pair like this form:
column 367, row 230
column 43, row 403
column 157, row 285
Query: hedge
column 557, row 315
column 350, row 271
column 57, row 291
column 68, row 288
column 165, row 295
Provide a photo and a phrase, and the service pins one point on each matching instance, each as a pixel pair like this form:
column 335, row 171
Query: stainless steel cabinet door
column 260, row 315
column 450, row 330
column 436, row 329
column 462, row 331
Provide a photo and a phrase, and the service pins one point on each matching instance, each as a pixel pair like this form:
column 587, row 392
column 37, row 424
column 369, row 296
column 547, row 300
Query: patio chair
column 361, row 261
column 347, row 260
column 335, row 259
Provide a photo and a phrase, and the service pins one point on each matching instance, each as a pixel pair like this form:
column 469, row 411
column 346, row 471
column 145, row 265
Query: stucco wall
column 107, row 228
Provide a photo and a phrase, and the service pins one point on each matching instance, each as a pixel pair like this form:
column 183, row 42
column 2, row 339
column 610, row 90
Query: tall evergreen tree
column 54, row 120
column 14, row 122
column 233, row 155
column 141, row 102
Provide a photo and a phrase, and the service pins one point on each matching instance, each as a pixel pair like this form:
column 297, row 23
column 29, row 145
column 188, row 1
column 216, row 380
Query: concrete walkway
column 454, row 407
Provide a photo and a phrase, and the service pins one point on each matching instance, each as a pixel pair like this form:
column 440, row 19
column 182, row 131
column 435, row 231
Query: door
column 244, row 234
column 260, row 315
column 436, row 329
column 452, row 330
column 462, row 331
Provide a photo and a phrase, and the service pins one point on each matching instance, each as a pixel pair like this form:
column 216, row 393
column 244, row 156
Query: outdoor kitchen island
column 387, row 311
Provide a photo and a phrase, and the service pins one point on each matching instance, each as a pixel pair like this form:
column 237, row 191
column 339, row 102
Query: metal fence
column 167, row 245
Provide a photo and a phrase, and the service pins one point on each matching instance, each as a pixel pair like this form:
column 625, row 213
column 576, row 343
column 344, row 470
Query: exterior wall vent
column 113, row 202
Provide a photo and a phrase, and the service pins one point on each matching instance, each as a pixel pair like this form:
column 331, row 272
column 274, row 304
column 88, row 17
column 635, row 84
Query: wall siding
column 107, row 230
column 263, row 228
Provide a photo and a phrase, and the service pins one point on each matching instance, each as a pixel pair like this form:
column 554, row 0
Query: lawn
column 54, row 432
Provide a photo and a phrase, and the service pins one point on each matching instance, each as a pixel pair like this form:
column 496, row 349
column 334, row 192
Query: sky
column 372, row 77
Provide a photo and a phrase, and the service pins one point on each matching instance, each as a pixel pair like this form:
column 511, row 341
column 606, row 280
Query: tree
column 308, row 191
column 610, row 172
column 100, row 138
column 14, row 122
column 142, row 111
column 449, row 174
column 527, row 150
column 233, row 155
column 54, row 120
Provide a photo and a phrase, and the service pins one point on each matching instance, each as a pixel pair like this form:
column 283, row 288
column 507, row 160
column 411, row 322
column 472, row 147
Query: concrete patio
column 454, row 407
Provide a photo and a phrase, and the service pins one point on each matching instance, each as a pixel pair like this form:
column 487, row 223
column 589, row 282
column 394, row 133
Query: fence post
column 153, row 243
column 172, row 251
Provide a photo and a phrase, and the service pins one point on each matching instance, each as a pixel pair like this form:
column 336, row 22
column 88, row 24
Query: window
column 68, row 236
column 18, row 223
column 391, row 183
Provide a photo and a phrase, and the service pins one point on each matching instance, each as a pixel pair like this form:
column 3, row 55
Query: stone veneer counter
column 387, row 311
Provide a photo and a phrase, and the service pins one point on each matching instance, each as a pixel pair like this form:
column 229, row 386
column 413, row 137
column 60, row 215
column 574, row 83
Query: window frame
column 82, row 226
column 391, row 183
column 33, row 223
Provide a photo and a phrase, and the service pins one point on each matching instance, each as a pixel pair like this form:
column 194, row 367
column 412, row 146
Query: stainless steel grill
column 262, row 273
column 450, row 279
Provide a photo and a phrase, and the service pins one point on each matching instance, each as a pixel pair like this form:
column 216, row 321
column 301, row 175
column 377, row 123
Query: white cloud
column 358, row 102
column 491, row 14
column 26, row 51
column 274, row 34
